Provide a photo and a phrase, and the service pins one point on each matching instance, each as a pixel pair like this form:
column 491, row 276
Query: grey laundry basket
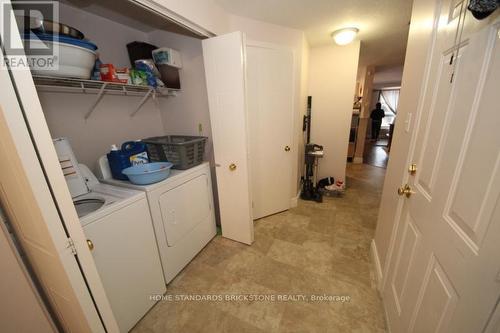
column 183, row 151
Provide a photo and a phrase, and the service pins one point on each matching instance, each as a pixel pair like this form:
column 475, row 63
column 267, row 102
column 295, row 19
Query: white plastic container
column 74, row 61
column 167, row 56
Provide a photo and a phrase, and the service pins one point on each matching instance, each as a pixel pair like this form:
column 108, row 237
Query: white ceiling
column 383, row 24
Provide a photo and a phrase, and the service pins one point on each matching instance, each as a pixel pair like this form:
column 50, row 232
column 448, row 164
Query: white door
column 270, row 112
column 444, row 273
column 28, row 204
column 225, row 63
column 23, row 309
column 66, row 277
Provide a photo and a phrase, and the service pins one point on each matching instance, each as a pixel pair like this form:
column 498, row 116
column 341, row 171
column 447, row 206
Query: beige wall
column 387, row 77
column 99, row 29
column 332, row 83
column 21, row 309
column 184, row 113
column 109, row 124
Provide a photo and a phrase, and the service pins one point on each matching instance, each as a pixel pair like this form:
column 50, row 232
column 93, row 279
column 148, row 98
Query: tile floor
column 313, row 249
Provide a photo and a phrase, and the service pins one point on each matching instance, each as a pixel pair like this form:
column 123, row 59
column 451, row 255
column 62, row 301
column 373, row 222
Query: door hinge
column 71, row 245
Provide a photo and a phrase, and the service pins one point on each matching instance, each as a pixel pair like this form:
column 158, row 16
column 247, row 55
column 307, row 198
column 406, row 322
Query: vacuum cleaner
column 313, row 152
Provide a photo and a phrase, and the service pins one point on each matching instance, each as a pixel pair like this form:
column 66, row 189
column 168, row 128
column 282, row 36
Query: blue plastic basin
column 149, row 173
column 61, row 39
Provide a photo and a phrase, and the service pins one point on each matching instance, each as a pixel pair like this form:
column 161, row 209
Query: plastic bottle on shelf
column 96, row 71
column 131, row 153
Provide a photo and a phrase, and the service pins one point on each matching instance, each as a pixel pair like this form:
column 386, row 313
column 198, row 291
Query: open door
column 443, row 275
column 28, row 204
column 225, row 63
column 38, row 203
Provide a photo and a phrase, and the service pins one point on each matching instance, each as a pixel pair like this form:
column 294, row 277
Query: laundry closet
column 90, row 119
column 142, row 234
column 131, row 240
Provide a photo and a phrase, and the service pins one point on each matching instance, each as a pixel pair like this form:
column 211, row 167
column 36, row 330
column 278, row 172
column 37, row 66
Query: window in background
column 389, row 99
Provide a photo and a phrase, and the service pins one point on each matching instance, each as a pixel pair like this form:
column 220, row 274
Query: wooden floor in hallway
column 314, row 250
column 376, row 153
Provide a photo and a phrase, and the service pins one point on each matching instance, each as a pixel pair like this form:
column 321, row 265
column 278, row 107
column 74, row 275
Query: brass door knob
column 412, row 169
column 90, row 244
column 287, row 148
column 232, row 166
column 405, row 190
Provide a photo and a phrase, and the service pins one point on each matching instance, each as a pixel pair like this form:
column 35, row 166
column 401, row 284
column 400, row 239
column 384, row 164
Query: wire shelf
column 52, row 83
column 101, row 88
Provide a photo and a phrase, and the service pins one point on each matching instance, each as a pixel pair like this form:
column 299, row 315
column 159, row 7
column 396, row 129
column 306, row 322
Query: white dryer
column 119, row 231
column 182, row 210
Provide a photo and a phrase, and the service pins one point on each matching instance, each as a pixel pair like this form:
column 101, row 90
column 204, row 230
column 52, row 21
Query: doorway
column 377, row 147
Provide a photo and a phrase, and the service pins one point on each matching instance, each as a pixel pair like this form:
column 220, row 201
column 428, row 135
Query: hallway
column 313, row 249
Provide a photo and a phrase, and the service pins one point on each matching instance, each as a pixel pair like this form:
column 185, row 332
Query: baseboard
column 357, row 160
column 376, row 264
column 379, row 276
column 294, row 202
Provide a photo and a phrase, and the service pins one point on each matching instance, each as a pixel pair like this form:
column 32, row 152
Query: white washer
column 182, row 210
column 117, row 224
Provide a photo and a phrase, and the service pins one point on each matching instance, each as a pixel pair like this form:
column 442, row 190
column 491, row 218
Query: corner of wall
column 304, row 87
column 332, row 84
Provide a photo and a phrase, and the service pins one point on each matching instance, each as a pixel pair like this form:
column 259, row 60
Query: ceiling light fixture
column 344, row 36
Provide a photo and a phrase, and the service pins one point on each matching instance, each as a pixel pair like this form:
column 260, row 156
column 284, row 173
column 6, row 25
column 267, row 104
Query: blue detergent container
column 131, row 153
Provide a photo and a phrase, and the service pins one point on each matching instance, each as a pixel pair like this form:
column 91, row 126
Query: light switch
column 408, row 122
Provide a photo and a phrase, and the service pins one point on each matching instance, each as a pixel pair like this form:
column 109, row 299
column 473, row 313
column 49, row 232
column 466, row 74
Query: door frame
column 295, row 112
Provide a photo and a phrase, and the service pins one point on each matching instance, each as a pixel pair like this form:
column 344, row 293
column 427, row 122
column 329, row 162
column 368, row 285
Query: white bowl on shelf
column 74, row 61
